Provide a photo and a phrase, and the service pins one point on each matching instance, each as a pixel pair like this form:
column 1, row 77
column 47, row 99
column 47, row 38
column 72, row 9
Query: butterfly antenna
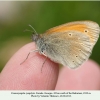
column 27, row 30
column 33, row 29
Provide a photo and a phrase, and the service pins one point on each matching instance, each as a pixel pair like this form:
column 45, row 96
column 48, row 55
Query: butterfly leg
column 28, row 55
column 43, row 63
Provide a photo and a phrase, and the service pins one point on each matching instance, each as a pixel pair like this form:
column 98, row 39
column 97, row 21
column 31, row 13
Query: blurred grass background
column 16, row 16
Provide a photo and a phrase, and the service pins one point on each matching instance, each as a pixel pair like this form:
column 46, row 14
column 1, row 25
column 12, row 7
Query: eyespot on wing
column 89, row 28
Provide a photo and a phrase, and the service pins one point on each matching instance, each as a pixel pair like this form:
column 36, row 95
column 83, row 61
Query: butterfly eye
column 85, row 30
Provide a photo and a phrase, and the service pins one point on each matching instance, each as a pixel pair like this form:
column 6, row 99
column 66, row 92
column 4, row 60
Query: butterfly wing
column 89, row 28
column 71, row 44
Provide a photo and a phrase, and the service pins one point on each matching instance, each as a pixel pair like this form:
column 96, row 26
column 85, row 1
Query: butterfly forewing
column 71, row 44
